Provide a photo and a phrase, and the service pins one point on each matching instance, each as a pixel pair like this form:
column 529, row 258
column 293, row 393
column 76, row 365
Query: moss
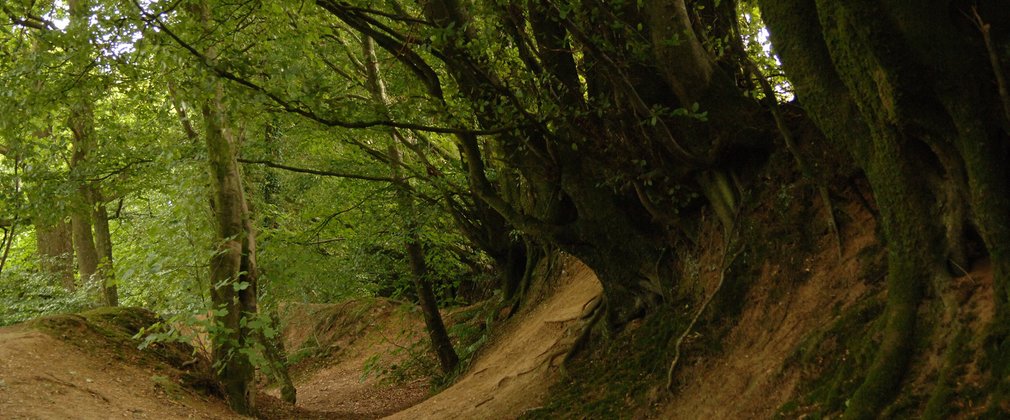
column 620, row 376
column 109, row 333
column 168, row 386
column 834, row 359
column 938, row 406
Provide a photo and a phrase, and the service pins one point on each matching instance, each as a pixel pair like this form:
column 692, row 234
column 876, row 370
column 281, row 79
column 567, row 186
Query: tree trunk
column 81, row 122
column 84, row 248
column 55, row 247
column 103, row 245
column 233, row 267
column 860, row 69
column 420, row 275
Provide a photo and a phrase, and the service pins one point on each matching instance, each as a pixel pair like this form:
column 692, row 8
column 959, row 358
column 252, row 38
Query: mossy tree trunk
column 233, row 271
column 233, row 267
column 908, row 89
column 603, row 133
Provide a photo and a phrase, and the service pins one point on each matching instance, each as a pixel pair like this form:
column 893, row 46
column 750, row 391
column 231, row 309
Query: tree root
column 580, row 342
column 994, row 61
column 726, row 261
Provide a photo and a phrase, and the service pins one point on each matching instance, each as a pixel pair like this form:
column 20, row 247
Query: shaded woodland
column 226, row 156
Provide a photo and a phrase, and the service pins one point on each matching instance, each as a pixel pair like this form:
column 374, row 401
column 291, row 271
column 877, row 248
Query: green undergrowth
column 619, row 377
column 109, row 333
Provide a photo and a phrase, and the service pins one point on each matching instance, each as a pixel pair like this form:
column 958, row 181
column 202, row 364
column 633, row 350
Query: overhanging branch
column 294, row 108
column 334, row 174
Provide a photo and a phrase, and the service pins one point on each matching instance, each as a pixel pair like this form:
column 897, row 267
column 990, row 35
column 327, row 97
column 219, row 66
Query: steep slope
column 514, row 373
column 751, row 377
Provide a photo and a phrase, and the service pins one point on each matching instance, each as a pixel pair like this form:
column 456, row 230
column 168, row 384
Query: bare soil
column 342, row 337
column 42, row 377
column 513, row 375
column 750, row 377
column 83, row 375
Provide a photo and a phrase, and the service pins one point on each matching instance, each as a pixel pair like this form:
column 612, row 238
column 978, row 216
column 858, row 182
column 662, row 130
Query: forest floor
column 344, row 355
column 511, row 375
column 78, row 373
column 70, row 367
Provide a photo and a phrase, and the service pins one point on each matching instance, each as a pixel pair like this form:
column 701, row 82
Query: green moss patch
column 621, row 377
column 834, row 360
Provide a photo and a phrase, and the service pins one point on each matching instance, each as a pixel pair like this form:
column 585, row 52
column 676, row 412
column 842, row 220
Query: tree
column 233, row 279
column 607, row 130
column 604, row 127
column 420, row 274
column 916, row 94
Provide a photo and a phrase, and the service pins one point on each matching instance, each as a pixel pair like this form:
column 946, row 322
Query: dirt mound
column 87, row 366
column 513, row 373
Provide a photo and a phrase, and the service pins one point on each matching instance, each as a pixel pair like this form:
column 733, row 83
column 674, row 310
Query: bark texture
column 55, row 247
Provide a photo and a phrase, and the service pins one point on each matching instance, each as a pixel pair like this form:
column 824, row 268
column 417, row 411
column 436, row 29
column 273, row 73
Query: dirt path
column 339, row 391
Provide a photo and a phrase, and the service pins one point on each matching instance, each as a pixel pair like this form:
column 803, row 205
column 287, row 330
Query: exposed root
column 994, row 61
column 532, row 258
column 726, row 261
column 580, row 342
column 589, row 308
column 832, row 221
column 485, row 401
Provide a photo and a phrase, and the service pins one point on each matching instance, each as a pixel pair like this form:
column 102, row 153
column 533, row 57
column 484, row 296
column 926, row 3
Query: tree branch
column 274, row 165
column 30, row 21
column 296, row 109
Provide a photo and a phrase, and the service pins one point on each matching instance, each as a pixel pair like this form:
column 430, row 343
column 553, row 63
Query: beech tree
column 620, row 113
column 440, row 342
